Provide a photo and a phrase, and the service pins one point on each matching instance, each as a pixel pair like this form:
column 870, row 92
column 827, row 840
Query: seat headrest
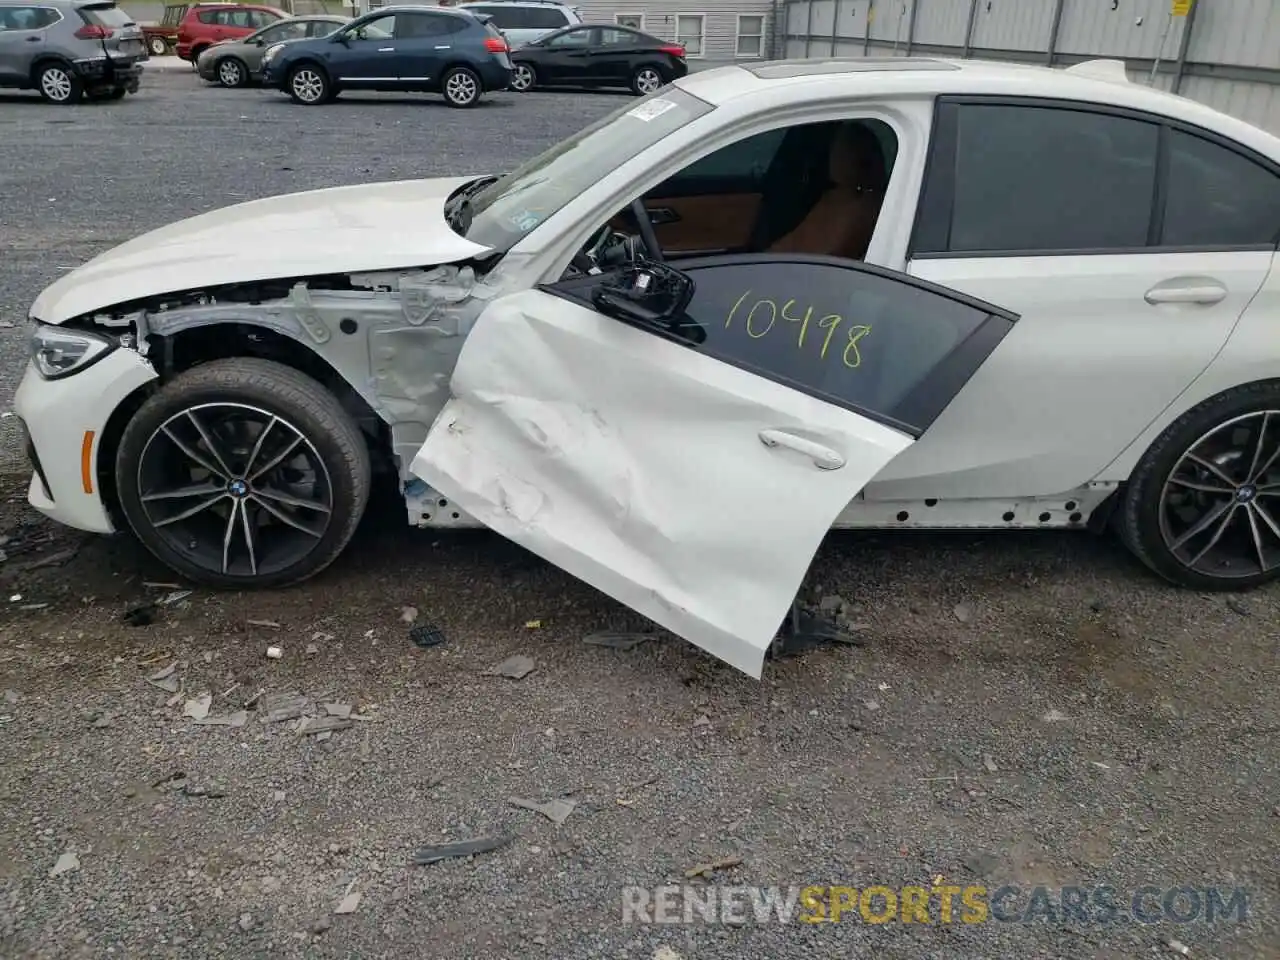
column 855, row 158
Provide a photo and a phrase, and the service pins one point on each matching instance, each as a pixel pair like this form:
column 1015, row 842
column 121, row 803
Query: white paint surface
column 636, row 464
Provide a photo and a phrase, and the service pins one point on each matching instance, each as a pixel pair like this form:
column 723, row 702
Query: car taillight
column 93, row 31
column 495, row 45
column 675, row 51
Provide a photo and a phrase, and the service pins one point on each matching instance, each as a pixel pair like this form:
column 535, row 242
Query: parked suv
column 523, row 21
column 437, row 49
column 66, row 48
column 207, row 23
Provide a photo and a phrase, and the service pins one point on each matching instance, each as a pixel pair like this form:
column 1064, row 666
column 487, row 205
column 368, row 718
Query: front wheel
column 232, row 73
column 243, row 473
column 523, row 78
column 1202, row 508
column 308, row 84
column 645, row 81
column 461, row 87
column 157, row 46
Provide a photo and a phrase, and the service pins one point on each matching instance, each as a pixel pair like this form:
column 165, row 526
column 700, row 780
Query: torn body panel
column 648, row 470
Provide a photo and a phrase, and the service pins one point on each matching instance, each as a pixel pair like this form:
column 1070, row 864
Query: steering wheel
column 645, row 226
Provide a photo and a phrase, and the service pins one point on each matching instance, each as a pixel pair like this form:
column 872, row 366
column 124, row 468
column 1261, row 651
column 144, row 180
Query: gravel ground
column 1025, row 710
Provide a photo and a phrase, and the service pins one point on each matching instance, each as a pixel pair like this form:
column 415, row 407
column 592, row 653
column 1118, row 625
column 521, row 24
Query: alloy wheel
column 1220, row 506
column 461, row 87
column 230, row 74
column 235, row 489
column 308, row 86
column 648, row 80
column 522, row 77
column 55, row 83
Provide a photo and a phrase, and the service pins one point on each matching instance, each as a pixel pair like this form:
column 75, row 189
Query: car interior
column 814, row 188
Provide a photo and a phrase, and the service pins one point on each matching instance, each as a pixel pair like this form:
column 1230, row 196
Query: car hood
column 377, row 226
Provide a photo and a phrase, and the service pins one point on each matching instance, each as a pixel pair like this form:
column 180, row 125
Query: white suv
column 523, row 21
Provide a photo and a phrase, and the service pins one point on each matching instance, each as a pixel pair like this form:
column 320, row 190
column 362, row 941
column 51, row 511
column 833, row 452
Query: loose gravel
column 1026, row 710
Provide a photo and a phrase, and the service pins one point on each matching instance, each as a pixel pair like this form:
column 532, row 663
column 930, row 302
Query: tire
column 646, row 79
column 308, row 84
column 523, row 77
column 1156, row 514
column 157, row 46
column 231, row 72
column 461, row 87
column 316, row 454
column 58, row 84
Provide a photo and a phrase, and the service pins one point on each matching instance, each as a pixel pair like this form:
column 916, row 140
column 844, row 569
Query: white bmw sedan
column 673, row 351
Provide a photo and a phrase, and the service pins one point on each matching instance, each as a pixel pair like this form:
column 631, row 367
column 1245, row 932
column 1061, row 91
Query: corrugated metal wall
column 1225, row 53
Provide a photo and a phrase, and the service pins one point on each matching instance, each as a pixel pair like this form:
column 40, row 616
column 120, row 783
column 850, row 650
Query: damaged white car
column 671, row 353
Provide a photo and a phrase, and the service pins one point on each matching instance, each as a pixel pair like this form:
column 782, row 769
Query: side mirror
column 650, row 294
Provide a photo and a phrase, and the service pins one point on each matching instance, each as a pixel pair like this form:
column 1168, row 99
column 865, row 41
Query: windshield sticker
column 650, row 109
column 526, row 221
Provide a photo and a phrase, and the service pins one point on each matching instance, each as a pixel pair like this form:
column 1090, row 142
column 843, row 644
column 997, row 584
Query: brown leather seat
column 841, row 222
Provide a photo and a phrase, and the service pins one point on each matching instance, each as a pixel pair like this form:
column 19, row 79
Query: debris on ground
column 313, row 725
column 237, row 719
column 707, row 869
column 278, row 707
column 989, row 763
column 533, row 624
column 616, row 641
column 12, row 696
column 515, row 668
column 461, row 848
column 274, row 653
column 55, row 559
column 144, row 614
column 311, row 650
column 103, row 721
column 426, row 635
column 408, row 614
column 1177, row 946
column 1055, row 716
column 557, row 810
column 666, row 953
column 66, row 863
column 166, row 678
column 340, row 710
column 211, row 791
column 270, row 624
column 963, row 612
column 198, row 707
column 350, row 901
column 1238, row 606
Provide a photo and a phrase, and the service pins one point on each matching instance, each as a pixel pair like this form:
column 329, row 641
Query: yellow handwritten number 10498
column 765, row 314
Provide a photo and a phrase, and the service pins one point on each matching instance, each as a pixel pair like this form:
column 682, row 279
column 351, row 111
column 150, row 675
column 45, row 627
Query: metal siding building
column 730, row 29
column 1225, row 53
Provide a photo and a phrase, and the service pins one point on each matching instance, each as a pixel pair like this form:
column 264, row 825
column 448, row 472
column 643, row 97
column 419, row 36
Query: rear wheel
column 646, row 80
column 1202, row 509
column 308, row 84
column 461, row 87
column 57, row 84
column 523, row 78
column 232, row 73
column 157, row 46
column 243, row 473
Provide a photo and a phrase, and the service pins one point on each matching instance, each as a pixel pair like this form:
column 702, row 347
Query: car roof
column 514, row 3
column 1102, row 82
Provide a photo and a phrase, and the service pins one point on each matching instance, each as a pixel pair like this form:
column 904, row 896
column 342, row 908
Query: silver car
column 524, row 21
column 68, row 48
column 236, row 63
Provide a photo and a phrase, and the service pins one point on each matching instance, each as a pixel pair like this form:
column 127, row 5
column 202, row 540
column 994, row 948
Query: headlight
column 272, row 51
column 57, row 352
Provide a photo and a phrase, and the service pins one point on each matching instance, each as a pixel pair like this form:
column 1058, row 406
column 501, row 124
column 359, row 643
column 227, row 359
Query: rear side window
column 1217, row 197
column 106, row 15
column 422, row 25
column 549, row 18
column 208, row 16
column 1035, row 178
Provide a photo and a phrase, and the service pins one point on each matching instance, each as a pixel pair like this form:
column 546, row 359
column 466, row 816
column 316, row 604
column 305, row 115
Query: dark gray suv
column 69, row 48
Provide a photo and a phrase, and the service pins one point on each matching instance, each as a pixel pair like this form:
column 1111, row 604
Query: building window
column 690, row 28
column 633, row 20
column 750, row 36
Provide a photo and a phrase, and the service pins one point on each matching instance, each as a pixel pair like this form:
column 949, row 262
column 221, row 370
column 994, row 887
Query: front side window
column 571, row 38
column 379, row 28
column 322, row 28
column 618, row 38
column 508, row 209
column 1217, row 197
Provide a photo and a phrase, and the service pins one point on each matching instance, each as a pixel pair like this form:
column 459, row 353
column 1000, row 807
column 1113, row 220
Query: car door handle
column 661, row 215
column 33, row 39
column 824, row 458
column 1201, row 291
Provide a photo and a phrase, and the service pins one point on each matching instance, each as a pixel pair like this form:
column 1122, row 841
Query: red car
column 207, row 23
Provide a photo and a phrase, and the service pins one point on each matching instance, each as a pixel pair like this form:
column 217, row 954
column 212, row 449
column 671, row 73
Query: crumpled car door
column 691, row 469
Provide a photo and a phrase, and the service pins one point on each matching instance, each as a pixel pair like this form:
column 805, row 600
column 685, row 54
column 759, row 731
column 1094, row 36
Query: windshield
column 510, row 207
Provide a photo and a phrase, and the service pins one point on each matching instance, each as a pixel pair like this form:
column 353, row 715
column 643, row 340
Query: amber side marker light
column 86, row 462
